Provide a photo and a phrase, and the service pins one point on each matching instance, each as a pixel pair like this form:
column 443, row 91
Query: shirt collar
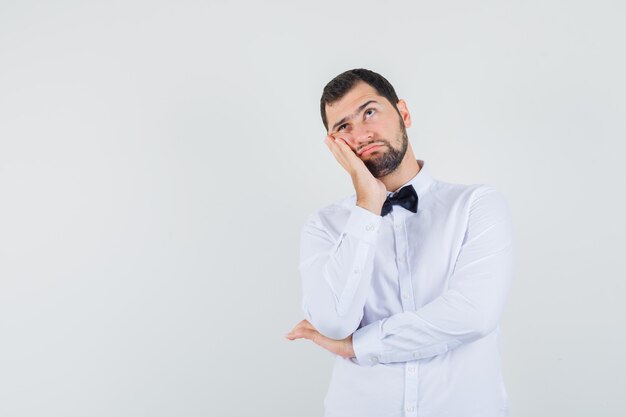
column 421, row 181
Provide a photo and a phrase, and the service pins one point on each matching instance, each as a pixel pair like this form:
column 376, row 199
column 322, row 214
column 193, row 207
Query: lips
column 370, row 148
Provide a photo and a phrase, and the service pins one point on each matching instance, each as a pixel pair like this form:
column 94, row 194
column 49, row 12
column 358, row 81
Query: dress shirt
column 421, row 293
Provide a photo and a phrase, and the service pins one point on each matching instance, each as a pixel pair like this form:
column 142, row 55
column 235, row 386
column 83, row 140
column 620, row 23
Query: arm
column 336, row 272
column 471, row 306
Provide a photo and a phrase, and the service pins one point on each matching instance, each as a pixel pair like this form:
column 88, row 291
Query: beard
column 387, row 162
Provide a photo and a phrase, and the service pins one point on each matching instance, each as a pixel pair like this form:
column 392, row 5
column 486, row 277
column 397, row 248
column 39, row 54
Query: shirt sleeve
column 336, row 271
column 471, row 306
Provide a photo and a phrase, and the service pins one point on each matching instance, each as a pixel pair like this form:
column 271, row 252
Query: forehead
column 359, row 94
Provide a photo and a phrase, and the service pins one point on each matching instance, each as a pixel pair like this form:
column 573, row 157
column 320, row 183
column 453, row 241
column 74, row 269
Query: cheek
column 385, row 131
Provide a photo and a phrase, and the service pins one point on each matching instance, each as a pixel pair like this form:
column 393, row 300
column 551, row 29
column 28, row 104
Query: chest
column 415, row 257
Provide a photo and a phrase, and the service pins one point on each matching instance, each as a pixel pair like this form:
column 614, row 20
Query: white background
column 158, row 159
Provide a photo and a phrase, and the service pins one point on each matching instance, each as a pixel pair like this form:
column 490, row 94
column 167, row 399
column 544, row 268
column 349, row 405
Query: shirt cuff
column 367, row 346
column 363, row 224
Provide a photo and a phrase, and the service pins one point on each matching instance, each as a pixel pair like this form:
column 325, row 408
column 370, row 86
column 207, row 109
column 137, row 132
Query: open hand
column 370, row 191
column 305, row 330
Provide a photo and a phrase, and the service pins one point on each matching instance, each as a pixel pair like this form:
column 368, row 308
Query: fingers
column 305, row 333
column 313, row 335
column 336, row 151
column 338, row 347
column 345, row 149
column 343, row 153
column 307, row 325
column 298, row 331
column 304, row 330
column 339, row 144
column 304, row 324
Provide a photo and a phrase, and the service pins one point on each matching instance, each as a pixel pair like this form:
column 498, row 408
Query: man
column 405, row 280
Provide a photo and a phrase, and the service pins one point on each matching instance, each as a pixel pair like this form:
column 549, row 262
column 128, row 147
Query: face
column 372, row 127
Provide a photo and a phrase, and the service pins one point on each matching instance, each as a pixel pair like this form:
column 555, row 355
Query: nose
column 359, row 135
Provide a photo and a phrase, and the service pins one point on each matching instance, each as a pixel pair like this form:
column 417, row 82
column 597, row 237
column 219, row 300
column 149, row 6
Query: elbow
column 333, row 326
column 485, row 325
column 336, row 331
column 483, row 330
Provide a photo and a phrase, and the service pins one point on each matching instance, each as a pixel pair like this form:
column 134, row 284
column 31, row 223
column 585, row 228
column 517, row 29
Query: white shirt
column 422, row 294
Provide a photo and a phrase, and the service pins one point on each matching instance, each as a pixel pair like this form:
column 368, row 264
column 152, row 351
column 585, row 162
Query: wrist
column 372, row 206
column 349, row 350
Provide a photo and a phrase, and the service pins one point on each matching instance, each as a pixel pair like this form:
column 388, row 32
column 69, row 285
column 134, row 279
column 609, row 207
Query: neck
column 407, row 169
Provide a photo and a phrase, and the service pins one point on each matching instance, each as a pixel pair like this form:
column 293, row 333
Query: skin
column 377, row 123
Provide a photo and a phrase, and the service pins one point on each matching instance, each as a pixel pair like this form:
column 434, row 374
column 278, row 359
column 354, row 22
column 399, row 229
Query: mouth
column 370, row 149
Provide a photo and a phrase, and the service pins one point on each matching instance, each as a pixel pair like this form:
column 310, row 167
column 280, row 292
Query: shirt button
column 369, row 227
column 374, row 359
column 405, row 296
column 401, row 259
column 411, row 369
column 410, row 409
column 398, row 225
column 356, row 271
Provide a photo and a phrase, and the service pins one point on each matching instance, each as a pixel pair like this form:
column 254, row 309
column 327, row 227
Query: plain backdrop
column 158, row 160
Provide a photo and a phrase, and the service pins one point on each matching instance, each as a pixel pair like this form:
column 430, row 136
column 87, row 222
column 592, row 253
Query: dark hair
column 341, row 84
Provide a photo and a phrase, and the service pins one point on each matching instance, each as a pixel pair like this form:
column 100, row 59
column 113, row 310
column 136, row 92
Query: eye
column 369, row 112
column 342, row 127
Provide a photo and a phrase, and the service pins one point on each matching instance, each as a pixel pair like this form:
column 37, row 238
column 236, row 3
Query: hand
column 371, row 192
column 305, row 330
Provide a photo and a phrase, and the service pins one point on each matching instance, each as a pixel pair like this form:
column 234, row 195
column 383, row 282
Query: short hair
column 344, row 82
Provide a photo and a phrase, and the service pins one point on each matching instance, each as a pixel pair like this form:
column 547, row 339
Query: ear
column 404, row 111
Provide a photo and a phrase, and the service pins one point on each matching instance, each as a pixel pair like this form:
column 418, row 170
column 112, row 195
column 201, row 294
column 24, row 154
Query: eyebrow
column 345, row 119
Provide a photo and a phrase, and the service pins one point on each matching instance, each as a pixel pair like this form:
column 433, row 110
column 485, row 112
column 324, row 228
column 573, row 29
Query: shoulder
column 333, row 215
column 468, row 195
column 487, row 198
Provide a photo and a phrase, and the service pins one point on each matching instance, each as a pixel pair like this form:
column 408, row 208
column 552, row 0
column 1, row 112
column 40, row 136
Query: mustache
column 379, row 141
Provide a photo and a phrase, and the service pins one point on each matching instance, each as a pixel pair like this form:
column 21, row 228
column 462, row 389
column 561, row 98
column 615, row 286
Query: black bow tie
column 406, row 197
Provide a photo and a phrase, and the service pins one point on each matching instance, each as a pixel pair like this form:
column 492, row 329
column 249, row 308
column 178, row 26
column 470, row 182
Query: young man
column 405, row 280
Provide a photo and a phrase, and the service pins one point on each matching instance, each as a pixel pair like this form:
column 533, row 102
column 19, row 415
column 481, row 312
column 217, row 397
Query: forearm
column 336, row 272
column 468, row 310
column 456, row 317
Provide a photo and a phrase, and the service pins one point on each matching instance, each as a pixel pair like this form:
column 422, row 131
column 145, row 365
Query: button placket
column 404, row 275
column 411, row 388
column 411, row 385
